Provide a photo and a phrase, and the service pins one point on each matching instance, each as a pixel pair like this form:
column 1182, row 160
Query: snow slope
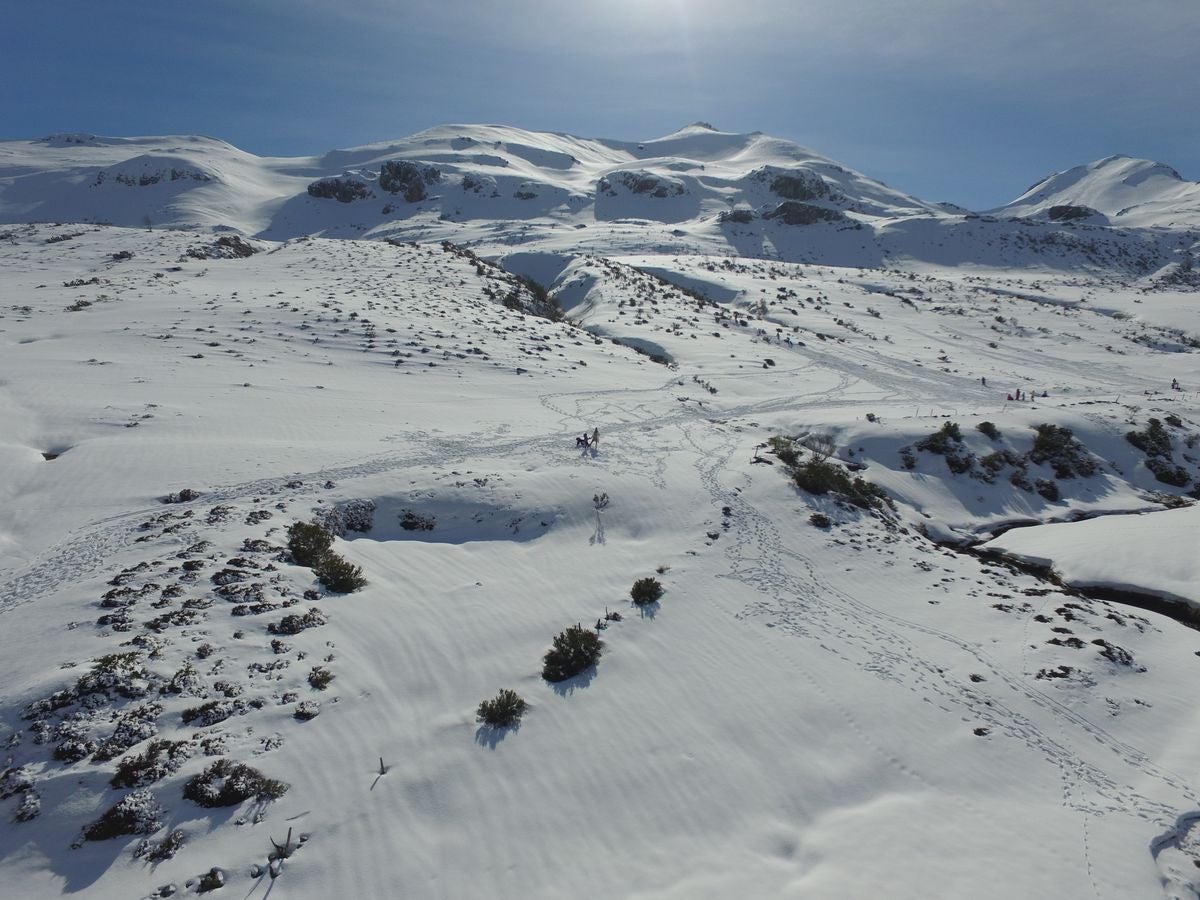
column 1158, row 552
column 840, row 708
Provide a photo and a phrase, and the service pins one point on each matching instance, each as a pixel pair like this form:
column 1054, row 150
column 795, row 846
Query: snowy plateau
column 905, row 492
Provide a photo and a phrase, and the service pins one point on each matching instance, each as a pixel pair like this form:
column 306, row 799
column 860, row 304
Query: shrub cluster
column 822, row 477
column 1057, row 446
column 310, row 545
column 225, row 783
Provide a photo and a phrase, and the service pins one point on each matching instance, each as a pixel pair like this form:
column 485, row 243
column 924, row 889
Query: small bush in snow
column 989, row 430
column 294, row 624
column 164, row 849
column 319, row 678
column 308, row 542
column 574, row 650
column 785, row 450
column 820, row 520
column 339, row 575
column 226, row 783
column 1047, row 489
column 412, row 521
column 212, row 712
column 944, row 440
column 506, row 708
column 307, row 709
column 646, row 590
column 187, row 495
column 137, row 813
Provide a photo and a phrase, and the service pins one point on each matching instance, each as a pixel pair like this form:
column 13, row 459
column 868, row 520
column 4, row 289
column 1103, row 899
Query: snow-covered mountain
column 696, row 191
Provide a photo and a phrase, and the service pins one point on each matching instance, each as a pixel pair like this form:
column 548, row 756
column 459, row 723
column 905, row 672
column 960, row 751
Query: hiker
column 582, row 441
column 595, row 437
column 1175, row 384
column 1010, row 396
column 983, row 381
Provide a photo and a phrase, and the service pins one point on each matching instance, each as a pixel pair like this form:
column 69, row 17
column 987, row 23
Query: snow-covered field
column 833, row 697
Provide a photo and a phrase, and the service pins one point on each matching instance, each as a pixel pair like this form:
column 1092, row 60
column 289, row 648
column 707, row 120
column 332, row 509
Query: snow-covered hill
column 865, row 676
column 1117, row 190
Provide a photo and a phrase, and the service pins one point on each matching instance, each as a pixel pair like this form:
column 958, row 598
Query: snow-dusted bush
column 226, row 783
column 137, row 813
column 294, row 624
column 157, row 761
column 353, row 515
column 339, row 575
column 574, row 650
column 308, row 542
column 187, row 495
column 646, row 590
column 119, row 673
column 133, row 727
column 307, row 709
column 319, row 678
column 506, row 708
column 212, row 712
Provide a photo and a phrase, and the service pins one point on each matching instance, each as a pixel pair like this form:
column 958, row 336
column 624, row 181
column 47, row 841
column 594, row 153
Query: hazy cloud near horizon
column 959, row 101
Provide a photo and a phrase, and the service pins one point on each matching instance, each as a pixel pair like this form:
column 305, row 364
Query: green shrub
column 308, row 542
column 646, row 590
column 574, row 650
column 339, row 575
column 988, row 429
column 506, row 708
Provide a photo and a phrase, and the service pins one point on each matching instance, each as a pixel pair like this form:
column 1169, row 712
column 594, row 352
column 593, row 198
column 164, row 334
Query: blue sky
column 962, row 100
